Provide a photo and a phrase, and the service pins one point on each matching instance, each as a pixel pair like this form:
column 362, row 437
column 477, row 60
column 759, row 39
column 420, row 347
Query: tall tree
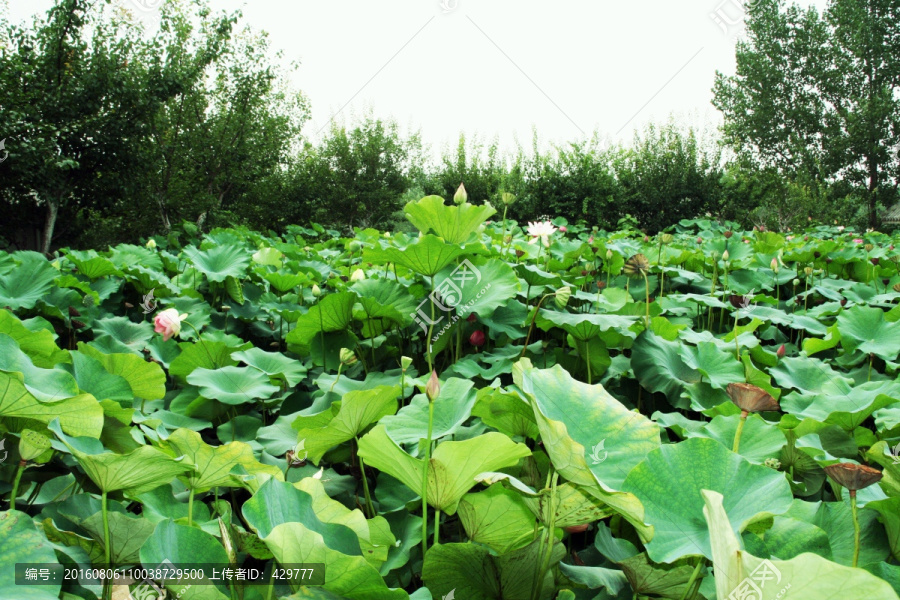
column 819, row 94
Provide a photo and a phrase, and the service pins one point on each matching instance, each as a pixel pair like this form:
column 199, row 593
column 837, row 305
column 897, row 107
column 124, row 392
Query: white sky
column 498, row 67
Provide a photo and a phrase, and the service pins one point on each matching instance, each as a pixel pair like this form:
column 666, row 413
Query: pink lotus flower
column 168, row 323
column 563, row 229
column 857, row 241
column 591, row 240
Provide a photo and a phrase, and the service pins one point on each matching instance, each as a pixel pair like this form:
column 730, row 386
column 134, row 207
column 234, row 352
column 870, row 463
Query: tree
column 818, row 96
column 75, row 110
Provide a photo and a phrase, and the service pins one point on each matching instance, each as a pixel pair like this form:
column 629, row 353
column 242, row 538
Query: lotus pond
column 471, row 409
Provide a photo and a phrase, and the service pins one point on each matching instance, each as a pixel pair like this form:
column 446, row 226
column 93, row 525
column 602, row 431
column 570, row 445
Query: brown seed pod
column 751, row 398
column 637, row 266
column 852, row 476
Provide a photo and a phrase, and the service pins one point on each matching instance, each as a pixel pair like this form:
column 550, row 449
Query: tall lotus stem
column 854, row 511
column 432, row 390
column 853, row 477
column 107, row 551
column 15, row 487
column 362, row 468
column 740, row 430
column 551, row 537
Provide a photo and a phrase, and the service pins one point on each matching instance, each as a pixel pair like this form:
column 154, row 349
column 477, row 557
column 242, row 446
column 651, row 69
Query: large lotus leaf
column 506, row 412
column 584, row 327
column 810, row 375
column 612, row 439
column 126, row 535
column 809, row 576
column 220, row 262
column 498, row 518
column 183, row 545
column 453, row 466
column 120, row 334
column 39, row 345
column 206, row 355
column 452, row 223
column 21, row 542
column 847, row 410
column 278, row 502
column 147, row 379
column 427, row 256
column 571, row 506
column 232, row 385
column 47, row 385
column 91, row 265
column 97, row 381
column 472, row 572
column 349, row 576
column 375, row 536
column 864, row 328
column 355, row 412
column 141, row 470
column 715, row 366
column 594, row 578
column 452, row 408
column 273, row 364
column 383, row 300
column 479, row 287
column 889, row 511
column 669, row 483
column 659, row 367
column 787, row 538
column 759, row 440
column 332, row 313
column 30, row 281
column 80, row 415
column 213, row 466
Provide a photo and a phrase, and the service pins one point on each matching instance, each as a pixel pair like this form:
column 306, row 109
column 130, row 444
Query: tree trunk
column 50, row 224
column 872, row 191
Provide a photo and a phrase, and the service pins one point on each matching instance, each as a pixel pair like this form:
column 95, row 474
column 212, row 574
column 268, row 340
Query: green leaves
column 28, row 282
column 21, row 542
column 232, row 385
column 864, row 328
column 220, row 262
column 455, row 224
column 669, row 483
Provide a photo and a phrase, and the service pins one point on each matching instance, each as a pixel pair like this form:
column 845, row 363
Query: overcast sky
column 498, row 67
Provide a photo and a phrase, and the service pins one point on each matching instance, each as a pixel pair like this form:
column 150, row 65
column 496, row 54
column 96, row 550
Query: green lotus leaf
column 506, row 412
column 455, row 224
column 715, row 366
column 348, row 576
column 472, row 572
column 571, row 505
column 147, row 379
column 584, row 327
column 220, row 262
column 452, row 408
column 22, row 542
column 811, row 577
column 213, row 466
column 759, row 440
column 141, row 470
column 865, row 329
column 497, row 518
column 268, row 256
column 384, row 303
column 332, row 313
column 30, row 281
column 80, row 415
column 612, row 439
column 426, row 256
column 39, row 345
column 273, row 364
column 47, row 385
column 92, row 265
column 594, row 578
column 120, row 334
column 670, row 480
column 232, row 385
column 453, row 466
column 206, row 355
column 889, row 515
column 100, row 383
column 278, row 502
column 665, row 581
column 183, row 545
column 345, row 419
column 126, row 535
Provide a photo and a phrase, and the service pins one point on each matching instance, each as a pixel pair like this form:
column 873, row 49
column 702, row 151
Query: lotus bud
column 563, row 229
column 477, row 338
column 151, row 244
column 562, row 296
column 774, row 265
column 646, row 239
column 348, row 357
column 726, row 256
column 387, row 234
column 667, row 238
column 609, row 255
column 780, row 352
column 875, row 260
column 699, row 240
column 869, row 247
column 507, row 198
column 358, row 275
column 316, row 291
column 355, row 246
column 460, row 197
column 843, row 302
column 433, row 388
column 590, row 240
column 471, row 318
column 405, row 363
column 796, row 282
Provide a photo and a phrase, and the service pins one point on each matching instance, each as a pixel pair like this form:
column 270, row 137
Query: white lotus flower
column 542, row 230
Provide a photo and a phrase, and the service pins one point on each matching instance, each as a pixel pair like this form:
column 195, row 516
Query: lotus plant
column 854, row 477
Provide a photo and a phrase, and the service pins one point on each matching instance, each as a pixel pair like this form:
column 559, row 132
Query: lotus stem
column 647, row 297
column 340, row 366
column 425, row 479
column 107, row 551
column 531, row 327
column 551, row 536
column 740, row 430
column 437, row 526
column 15, row 487
column 737, row 344
column 428, row 342
column 854, row 510
column 871, row 358
column 191, row 508
column 694, row 575
column 588, row 360
column 362, row 467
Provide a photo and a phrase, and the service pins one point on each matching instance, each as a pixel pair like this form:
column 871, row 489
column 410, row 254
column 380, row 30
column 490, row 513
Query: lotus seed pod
column 796, row 282
column 667, row 238
column 808, row 271
column 405, row 363
column 562, row 296
column 869, row 247
column 151, row 244
column 507, row 198
column 355, row 246
column 348, row 357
